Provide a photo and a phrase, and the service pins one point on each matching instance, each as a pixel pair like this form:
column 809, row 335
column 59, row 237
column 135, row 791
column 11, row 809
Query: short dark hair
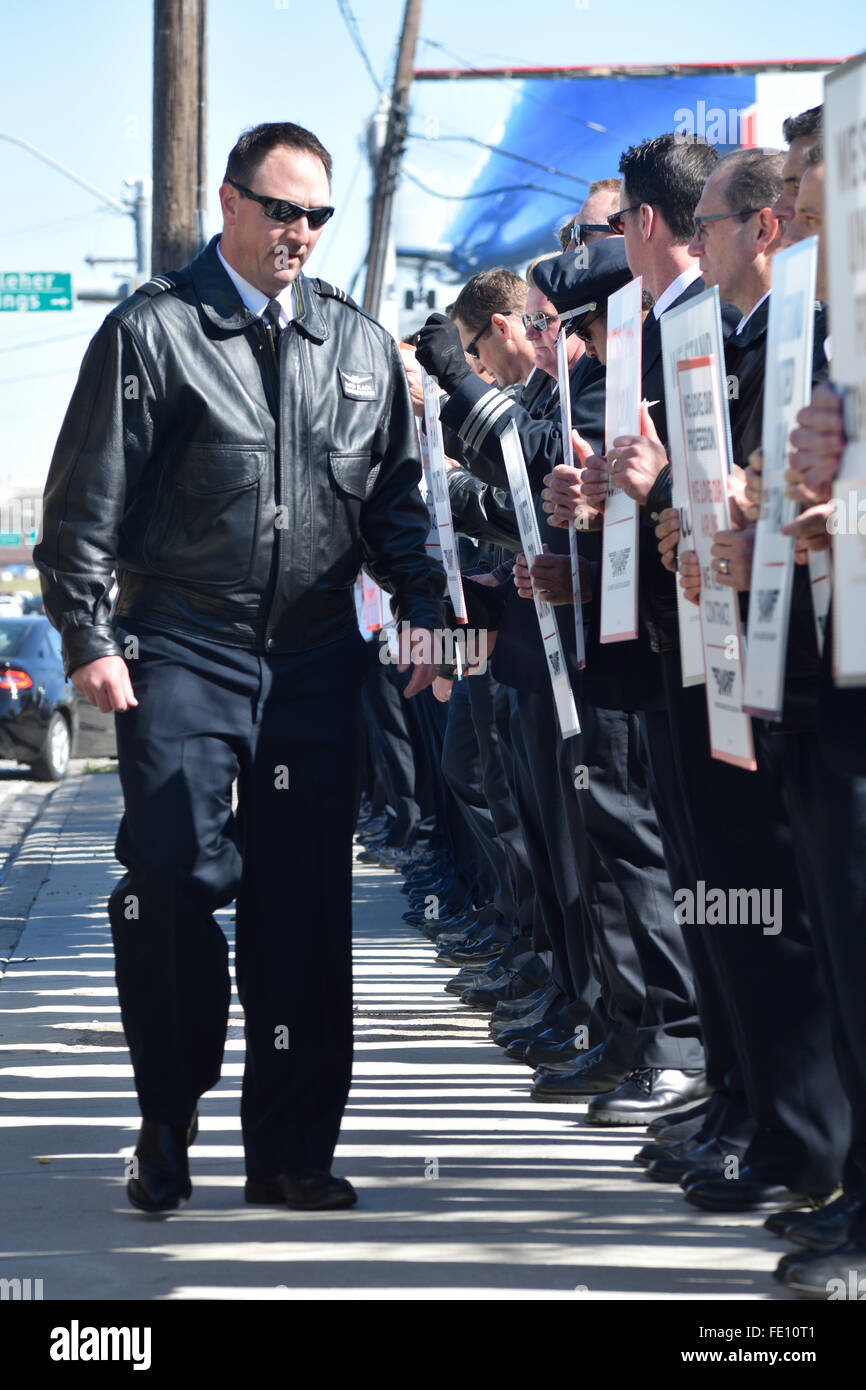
column 815, row 155
column 669, row 173
column 809, row 122
column 497, row 291
column 257, row 142
column 754, row 177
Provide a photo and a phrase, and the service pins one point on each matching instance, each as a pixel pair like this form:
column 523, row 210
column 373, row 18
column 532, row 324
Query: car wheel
column 53, row 761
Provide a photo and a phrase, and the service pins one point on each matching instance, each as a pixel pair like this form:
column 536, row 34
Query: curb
column 28, row 868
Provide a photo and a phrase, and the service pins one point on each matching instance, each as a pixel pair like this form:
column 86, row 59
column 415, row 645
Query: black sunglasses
column 583, row 331
column 471, row 348
column 615, row 221
column 280, row 211
column 578, row 230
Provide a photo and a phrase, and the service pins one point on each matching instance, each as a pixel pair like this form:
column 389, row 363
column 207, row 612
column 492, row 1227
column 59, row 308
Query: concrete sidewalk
column 467, row 1188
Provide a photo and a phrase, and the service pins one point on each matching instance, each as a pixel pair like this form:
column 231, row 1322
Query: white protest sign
column 787, row 388
column 693, row 329
column 706, row 464
column 845, row 231
column 619, row 540
column 438, row 481
column 568, row 458
column 530, row 540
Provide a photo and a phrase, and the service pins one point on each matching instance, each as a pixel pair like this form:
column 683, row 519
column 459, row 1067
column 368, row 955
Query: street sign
column 28, row 291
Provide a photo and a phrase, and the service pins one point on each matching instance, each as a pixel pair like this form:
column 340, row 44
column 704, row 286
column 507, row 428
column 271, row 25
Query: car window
column 13, row 636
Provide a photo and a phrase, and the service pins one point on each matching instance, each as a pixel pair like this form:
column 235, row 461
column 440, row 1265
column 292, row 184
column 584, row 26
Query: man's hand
column 412, row 368
column 732, row 557
column 489, row 579
column 637, row 459
column 690, row 575
column 440, row 352
column 563, row 496
column 668, row 537
column 810, row 532
column 412, row 648
column 105, row 683
column 816, row 447
column 751, row 503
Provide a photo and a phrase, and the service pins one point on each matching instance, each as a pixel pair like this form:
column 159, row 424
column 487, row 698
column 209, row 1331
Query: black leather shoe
column 835, row 1274
column 162, row 1181
column 518, row 982
column 595, row 1073
column 645, row 1093
column 301, row 1192
column 751, row 1191
column 560, row 1043
column 710, row 1159
column 660, row 1128
column 510, row 1011
column 817, row 1230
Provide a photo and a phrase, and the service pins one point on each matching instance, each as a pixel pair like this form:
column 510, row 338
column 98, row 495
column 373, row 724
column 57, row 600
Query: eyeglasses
column 278, row 210
column 615, row 221
column 583, row 332
column 700, row 222
column 540, row 321
column 471, row 348
column 576, row 231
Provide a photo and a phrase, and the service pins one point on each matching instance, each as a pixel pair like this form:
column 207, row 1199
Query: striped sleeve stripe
column 473, row 426
column 480, row 405
column 488, row 420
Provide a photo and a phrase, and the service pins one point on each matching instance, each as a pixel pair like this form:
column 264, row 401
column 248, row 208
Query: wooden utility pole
column 392, row 153
column 178, row 130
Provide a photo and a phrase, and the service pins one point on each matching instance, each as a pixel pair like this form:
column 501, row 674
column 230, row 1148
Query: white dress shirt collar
column 675, row 289
column 745, row 319
column 256, row 300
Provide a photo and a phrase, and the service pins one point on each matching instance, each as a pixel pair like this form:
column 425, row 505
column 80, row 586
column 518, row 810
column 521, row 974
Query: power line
column 45, row 342
column 527, row 96
column 497, row 149
column 354, row 32
column 468, row 197
column 36, row 376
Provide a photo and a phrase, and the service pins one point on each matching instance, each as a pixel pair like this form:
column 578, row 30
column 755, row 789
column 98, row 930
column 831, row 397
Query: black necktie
column 272, row 314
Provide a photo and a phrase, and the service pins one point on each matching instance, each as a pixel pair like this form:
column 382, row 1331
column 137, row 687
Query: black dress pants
column 288, row 728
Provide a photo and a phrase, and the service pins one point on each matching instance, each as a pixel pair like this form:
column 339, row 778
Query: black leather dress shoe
column 710, row 1159
column 817, row 1230
column 835, row 1274
column 751, row 1191
column 595, row 1073
column 517, row 982
column 162, row 1179
column 301, row 1192
column 693, row 1115
column 510, row 1011
column 645, row 1093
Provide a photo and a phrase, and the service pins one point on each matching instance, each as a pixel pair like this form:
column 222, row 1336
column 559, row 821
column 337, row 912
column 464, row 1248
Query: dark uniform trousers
column 288, row 728
column 776, row 1006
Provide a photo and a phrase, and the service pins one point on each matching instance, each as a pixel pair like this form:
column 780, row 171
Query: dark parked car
column 43, row 719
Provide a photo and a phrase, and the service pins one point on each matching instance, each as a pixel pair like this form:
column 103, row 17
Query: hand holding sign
column 816, row 447
column 636, row 460
column 668, row 537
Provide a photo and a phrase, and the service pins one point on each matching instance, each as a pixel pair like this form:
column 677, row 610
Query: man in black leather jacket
column 239, row 443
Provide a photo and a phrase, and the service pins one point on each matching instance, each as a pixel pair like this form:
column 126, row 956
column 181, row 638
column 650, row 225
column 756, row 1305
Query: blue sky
column 77, row 83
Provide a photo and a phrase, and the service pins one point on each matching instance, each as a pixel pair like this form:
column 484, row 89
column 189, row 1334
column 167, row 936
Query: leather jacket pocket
column 352, row 473
column 205, row 528
column 352, row 480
